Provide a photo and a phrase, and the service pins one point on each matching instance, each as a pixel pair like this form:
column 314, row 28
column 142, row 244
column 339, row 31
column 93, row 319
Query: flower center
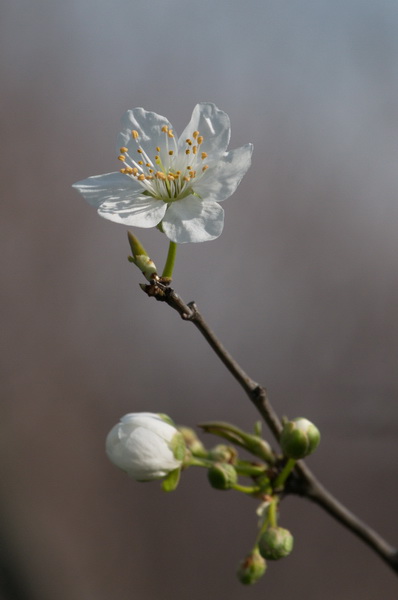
column 170, row 174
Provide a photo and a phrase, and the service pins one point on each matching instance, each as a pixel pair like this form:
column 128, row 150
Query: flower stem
column 284, row 474
column 170, row 260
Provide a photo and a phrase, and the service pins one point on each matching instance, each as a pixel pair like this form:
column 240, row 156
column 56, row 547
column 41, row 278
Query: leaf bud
column 252, row 568
column 140, row 258
column 222, row 476
column 299, row 438
column 275, row 543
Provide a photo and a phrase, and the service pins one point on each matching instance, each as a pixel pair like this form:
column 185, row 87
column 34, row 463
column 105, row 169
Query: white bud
column 146, row 446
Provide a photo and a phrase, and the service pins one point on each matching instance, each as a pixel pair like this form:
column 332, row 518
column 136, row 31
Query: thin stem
column 284, row 474
column 304, row 482
column 170, row 260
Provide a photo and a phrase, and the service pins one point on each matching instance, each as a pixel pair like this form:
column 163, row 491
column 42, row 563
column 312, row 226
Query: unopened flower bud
column 222, row 476
column 252, row 568
column 146, row 445
column 192, row 441
column 275, row 543
column 223, row 453
column 299, row 438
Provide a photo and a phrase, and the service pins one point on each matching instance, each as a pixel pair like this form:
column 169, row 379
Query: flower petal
column 135, row 211
column 221, row 180
column 150, row 135
column 119, row 198
column 99, row 188
column 213, row 124
column 193, row 220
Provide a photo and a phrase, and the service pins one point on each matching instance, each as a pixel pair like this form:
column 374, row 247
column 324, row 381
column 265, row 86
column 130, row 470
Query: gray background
column 302, row 288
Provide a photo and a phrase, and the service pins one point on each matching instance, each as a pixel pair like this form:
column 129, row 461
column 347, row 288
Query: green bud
column 192, row 441
column 222, row 476
column 299, row 438
column 140, row 258
column 275, row 543
column 223, row 453
column 252, row 443
column 252, row 568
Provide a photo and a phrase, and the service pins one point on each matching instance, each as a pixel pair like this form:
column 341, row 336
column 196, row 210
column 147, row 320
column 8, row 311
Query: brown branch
column 303, row 482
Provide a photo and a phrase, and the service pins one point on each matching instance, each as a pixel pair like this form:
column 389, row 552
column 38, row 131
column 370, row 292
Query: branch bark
column 303, row 482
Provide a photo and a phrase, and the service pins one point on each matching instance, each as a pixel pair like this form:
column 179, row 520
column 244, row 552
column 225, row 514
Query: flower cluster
column 175, row 184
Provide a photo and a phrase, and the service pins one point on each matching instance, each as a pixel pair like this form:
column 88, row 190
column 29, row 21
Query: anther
column 141, row 177
column 165, row 129
column 200, row 140
column 170, row 177
column 157, row 149
column 123, row 149
column 123, row 171
column 140, row 162
column 170, row 133
column 195, row 149
column 195, row 134
column 203, row 155
column 139, row 151
column 187, row 151
column 135, row 134
column 161, row 175
column 135, row 171
column 205, row 168
column 189, row 142
column 171, row 152
column 121, row 157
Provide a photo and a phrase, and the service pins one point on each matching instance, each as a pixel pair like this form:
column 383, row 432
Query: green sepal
column 171, row 481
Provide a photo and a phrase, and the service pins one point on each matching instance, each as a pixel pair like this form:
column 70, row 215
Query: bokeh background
column 301, row 287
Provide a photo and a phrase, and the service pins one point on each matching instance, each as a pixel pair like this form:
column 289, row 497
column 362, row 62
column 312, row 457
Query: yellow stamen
column 200, row 140
column 141, row 177
column 170, row 133
column 189, row 142
column 123, row 149
column 187, row 151
column 165, row 129
column 121, row 157
column 205, row 168
column 129, row 170
column 157, row 149
column 187, row 178
column 161, row 175
column 123, row 171
column 171, row 152
column 139, row 151
column 203, row 155
column 135, row 134
column 140, row 162
column 195, row 134
column 134, row 171
column 170, row 177
column 195, row 149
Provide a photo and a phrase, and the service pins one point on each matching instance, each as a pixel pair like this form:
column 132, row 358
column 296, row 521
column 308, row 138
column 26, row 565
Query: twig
column 302, row 482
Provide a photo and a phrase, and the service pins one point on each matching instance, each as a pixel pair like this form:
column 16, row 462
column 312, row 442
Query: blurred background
column 301, row 287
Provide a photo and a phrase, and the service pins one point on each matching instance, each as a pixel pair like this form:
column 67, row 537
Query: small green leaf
column 170, row 482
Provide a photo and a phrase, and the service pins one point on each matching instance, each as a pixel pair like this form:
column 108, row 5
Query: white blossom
column 172, row 183
column 145, row 445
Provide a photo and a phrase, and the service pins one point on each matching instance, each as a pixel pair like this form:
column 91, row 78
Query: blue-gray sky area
column 302, row 288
